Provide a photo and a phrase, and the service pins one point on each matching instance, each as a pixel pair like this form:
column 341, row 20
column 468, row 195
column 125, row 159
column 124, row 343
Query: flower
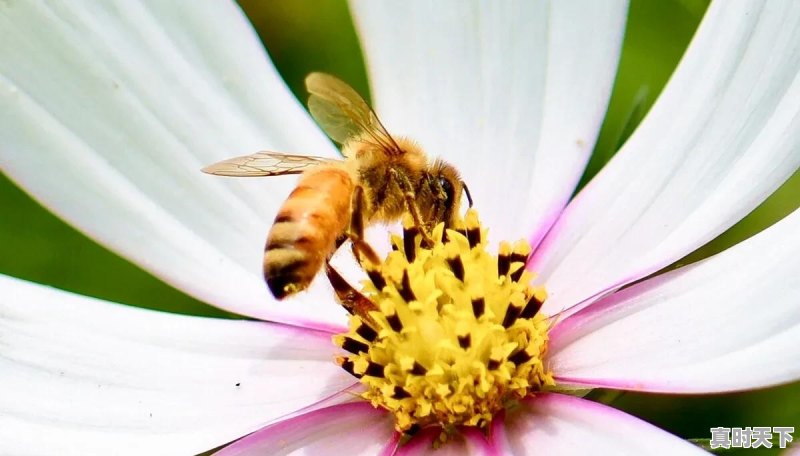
column 107, row 109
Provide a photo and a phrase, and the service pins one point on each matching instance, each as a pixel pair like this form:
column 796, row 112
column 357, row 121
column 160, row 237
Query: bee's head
column 449, row 188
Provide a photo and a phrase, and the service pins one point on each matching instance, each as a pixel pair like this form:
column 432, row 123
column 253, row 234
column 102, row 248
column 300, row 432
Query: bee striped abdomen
column 304, row 234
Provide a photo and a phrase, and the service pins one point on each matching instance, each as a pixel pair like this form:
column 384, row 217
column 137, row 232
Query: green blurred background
column 317, row 35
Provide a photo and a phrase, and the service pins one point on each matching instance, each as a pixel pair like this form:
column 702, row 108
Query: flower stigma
column 451, row 334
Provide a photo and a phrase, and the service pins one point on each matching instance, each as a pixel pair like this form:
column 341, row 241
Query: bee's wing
column 265, row 164
column 343, row 114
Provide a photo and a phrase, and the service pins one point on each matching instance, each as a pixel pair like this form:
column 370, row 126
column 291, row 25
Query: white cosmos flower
column 109, row 109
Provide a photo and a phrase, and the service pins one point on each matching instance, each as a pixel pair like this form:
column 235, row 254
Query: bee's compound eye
column 447, row 188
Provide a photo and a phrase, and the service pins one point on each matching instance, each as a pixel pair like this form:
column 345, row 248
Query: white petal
column 724, row 134
column 566, row 425
column 728, row 323
column 108, row 110
column 512, row 93
column 791, row 451
column 354, row 429
column 83, row 376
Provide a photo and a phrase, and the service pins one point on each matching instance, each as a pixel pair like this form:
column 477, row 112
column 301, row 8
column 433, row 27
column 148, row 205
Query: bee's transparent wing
column 343, row 114
column 265, row 164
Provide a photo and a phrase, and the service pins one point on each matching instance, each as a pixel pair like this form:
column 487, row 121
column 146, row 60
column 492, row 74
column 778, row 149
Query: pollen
column 455, row 334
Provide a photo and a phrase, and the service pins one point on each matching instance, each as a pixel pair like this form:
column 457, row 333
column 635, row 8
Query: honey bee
column 380, row 178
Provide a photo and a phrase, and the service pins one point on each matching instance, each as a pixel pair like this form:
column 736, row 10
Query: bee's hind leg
column 411, row 204
column 347, row 296
column 361, row 249
column 350, row 298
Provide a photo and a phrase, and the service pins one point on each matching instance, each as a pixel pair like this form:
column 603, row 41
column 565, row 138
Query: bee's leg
column 361, row 249
column 411, row 203
column 349, row 298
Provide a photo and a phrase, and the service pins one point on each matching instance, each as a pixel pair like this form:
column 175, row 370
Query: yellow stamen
column 459, row 336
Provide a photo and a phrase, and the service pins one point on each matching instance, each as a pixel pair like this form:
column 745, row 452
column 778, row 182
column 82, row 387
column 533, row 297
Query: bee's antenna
column 466, row 190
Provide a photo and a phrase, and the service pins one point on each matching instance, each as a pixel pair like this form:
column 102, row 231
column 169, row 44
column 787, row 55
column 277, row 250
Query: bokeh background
column 317, row 35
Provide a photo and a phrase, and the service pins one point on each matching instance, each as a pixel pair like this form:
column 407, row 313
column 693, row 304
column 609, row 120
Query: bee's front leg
column 411, row 204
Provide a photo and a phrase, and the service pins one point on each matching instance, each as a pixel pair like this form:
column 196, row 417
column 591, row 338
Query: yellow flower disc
column 457, row 337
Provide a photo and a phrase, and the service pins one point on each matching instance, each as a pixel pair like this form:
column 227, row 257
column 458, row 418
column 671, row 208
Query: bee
column 380, row 178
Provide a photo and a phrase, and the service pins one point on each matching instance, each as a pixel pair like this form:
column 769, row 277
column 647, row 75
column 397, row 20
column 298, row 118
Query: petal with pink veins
column 468, row 441
column 84, row 376
column 512, row 93
column 108, row 110
column 724, row 134
column 354, row 429
column 730, row 322
column 567, row 425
